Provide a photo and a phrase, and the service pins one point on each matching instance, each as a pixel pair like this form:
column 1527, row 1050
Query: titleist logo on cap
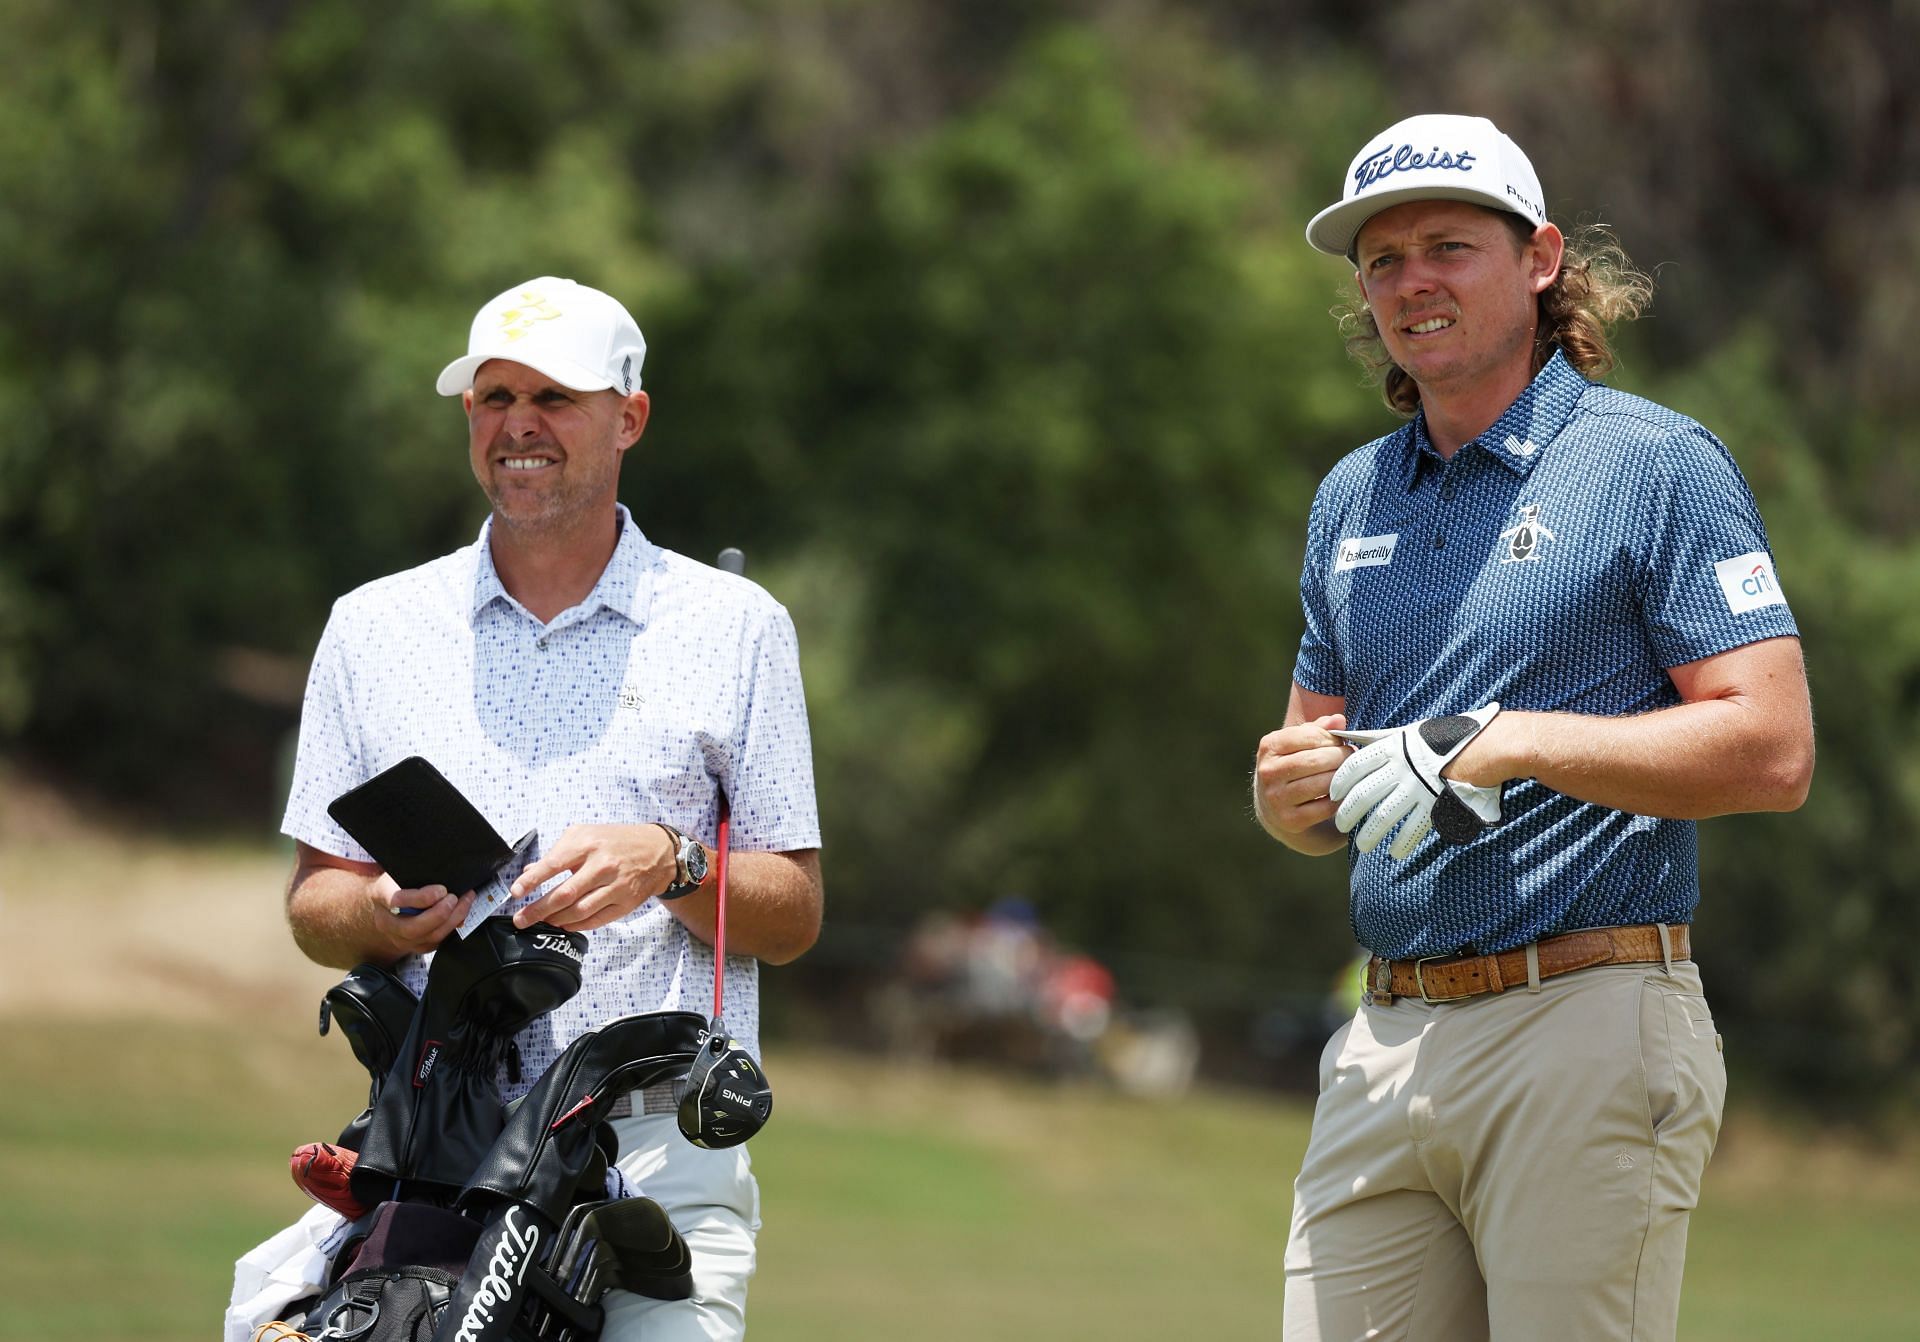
column 1404, row 158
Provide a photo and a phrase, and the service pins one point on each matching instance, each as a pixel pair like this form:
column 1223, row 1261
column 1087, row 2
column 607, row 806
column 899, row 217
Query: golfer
column 570, row 676
column 1544, row 636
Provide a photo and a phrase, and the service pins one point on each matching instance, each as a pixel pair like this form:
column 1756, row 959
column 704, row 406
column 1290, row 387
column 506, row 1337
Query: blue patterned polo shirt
column 1564, row 560
column 670, row 682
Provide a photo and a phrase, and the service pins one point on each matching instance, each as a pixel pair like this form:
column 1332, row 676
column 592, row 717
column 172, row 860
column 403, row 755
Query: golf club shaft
column 720, row 909
column 733, row 561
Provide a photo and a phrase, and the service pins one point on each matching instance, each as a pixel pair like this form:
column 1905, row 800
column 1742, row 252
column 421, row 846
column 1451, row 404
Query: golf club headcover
column 725, row 1098
column 650, row 1256
column 549, row 1142
column 373, row 1008
column 438, row 1112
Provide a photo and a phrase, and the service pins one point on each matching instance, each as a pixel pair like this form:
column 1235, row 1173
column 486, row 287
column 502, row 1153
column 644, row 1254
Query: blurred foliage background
column 989, row 331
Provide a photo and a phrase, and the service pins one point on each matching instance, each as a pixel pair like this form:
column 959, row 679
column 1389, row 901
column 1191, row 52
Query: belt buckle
column 1420, row 980
column 1379, row 987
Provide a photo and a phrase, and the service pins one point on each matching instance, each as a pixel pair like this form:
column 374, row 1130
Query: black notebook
column 422, row 830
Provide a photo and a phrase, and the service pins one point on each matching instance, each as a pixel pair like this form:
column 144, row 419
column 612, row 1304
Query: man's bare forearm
column 774, row 905
column 342, row 913
column 1689, row 762
column 1742, row 740
column 329, row 910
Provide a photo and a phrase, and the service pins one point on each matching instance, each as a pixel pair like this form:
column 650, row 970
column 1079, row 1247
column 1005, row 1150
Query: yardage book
column 424, row 831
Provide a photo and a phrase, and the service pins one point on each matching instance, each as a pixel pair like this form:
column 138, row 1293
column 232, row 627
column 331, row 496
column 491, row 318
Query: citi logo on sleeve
column 1364, row 552
column 1748, row 583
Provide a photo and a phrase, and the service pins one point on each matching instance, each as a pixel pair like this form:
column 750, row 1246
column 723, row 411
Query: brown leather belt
column 1448, row 978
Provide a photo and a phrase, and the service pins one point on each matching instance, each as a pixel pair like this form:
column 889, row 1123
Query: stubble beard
column 1467, row 368
column 559, row 511
column 532, row 516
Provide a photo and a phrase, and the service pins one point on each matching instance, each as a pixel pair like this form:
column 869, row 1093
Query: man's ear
column 1545, row 251
column 634, row 410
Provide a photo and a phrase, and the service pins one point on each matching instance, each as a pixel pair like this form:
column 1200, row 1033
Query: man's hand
column 616, row 869
column 345, row 913
column 1398, row 774
column 1292, row 771
column 413, row 922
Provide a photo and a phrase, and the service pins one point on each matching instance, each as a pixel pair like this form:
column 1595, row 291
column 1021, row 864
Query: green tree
column 1054, row 400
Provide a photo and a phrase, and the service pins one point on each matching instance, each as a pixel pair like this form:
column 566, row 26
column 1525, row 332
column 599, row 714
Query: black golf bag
column 484, row 1222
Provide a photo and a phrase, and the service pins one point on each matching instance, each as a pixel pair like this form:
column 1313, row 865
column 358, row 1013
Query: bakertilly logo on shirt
column 1364, row 552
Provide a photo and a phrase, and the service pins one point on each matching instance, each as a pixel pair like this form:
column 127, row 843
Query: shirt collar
column 625, row 586
column 1522, row 433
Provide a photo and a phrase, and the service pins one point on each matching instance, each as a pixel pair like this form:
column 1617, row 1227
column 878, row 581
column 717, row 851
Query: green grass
column 140, row 1159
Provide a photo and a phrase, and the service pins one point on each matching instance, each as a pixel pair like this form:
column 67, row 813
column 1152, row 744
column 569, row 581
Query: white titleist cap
column 579, row 337
column 1430, row 158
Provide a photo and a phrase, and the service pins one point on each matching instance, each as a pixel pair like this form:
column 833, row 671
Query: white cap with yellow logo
column 579, row 337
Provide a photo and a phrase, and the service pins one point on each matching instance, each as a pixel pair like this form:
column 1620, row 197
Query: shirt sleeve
column 1708, row 583
column 1317, row 667
column 328, row 760
column 769, row 782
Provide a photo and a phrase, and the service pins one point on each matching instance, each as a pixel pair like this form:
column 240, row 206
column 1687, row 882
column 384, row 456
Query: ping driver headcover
column 1397, row 774
column 724, row 1099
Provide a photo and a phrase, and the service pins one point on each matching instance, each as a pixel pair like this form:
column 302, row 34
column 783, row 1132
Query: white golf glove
column 1395, row 775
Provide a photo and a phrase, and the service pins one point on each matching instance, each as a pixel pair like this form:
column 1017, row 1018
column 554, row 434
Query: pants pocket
column 1330, row 1055
column 1680, row 1054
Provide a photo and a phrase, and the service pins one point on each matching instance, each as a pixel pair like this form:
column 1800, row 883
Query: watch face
column 696, row 863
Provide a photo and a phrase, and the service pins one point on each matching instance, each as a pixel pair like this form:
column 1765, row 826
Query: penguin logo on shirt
column 1525, row 540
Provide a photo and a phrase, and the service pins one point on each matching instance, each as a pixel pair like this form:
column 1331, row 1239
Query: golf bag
column 483, row 1222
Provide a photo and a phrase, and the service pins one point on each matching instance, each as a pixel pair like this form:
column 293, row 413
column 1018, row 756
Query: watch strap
column 683, row 882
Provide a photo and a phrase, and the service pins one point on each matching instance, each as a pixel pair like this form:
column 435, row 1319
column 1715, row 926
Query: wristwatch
column 689, row 861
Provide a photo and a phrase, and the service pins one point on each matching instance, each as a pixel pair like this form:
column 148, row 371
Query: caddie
column 1544, row 635
column 571, row 677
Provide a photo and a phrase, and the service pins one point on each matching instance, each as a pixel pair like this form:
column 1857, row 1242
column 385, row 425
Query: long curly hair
column 1598, row 286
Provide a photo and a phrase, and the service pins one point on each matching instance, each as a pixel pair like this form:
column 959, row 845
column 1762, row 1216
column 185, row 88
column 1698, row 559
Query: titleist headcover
column 374, row 1010
column 438, row 1112
column 549, row 1139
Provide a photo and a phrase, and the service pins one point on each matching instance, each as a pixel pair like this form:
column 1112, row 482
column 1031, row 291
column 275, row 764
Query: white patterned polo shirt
column 670, row 683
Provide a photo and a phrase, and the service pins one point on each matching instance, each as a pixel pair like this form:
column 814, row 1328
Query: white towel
column 287, row 1267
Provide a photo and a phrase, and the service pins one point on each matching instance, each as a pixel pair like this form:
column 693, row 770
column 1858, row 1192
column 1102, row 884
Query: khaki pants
column 1516, row 1166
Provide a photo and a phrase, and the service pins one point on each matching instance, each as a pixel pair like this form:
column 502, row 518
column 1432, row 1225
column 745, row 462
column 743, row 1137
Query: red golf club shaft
column 720, row 909
column 734, row 561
